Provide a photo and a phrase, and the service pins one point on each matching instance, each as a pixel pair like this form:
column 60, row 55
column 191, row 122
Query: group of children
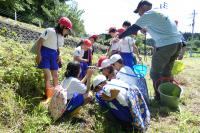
column 118, row 88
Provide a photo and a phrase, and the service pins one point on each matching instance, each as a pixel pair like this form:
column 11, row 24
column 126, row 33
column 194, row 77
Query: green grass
column 22, row 88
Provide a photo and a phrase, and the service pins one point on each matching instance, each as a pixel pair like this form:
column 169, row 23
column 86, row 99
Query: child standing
column 127, row 47
column 84, row 45
column 47, row 50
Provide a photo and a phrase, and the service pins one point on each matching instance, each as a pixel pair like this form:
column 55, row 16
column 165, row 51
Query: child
column 107, row 70
column 114, row 95
column 127, row 48
column 78, row 55
column 127, row 75
column 88, row 54
column 47, row 50
column 114, row 46
column 77, row 92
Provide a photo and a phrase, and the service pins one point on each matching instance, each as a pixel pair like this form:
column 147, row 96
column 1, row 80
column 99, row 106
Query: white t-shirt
column 78, row 51
column 126, row 44
column 122, row 96
column 115, row 46
column 126, row 74
column 73, row 85
column 50, row 37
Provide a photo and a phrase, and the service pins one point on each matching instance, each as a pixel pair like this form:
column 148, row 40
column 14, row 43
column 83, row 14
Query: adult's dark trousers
column 162, row 63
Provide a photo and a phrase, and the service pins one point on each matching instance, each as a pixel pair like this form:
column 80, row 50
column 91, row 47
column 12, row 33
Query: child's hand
column 90, row 72
column 104, row 97
column 58, row 59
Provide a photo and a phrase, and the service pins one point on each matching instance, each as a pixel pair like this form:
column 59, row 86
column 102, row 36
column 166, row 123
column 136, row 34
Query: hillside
column 22, row 89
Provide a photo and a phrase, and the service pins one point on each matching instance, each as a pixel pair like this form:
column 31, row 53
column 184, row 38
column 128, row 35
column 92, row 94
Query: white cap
column 98, row 79
column 114, row 58
column 105, row 63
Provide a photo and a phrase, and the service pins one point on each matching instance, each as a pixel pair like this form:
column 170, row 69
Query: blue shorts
column 128, row 59
column 76, row 101
column 84, row 67
column 49, row 59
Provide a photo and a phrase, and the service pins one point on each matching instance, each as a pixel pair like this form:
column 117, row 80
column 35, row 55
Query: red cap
column 65, row 22
column 87, row 42
column 94, row 36
column 121, row 30
column 101, row 59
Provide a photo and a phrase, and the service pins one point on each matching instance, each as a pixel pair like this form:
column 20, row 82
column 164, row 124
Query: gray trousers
column 162, row 63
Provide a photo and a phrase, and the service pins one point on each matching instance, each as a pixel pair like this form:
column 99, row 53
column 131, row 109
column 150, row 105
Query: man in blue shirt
column 166, row 35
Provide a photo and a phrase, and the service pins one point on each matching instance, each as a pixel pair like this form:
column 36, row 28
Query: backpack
column 58, row 102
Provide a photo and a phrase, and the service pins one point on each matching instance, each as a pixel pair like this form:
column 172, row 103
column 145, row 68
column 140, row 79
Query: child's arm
column 38, row 49
column 114, row 93
column 79, row 59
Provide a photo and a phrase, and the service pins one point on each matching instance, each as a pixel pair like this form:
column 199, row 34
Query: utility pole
column 193, row 23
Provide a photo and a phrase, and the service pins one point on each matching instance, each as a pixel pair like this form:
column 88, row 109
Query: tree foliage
column 47, row 12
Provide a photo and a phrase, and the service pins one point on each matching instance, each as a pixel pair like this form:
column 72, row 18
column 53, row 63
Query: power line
column 193, row 25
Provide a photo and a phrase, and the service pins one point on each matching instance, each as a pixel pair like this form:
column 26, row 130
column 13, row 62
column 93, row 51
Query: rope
column 145, row 47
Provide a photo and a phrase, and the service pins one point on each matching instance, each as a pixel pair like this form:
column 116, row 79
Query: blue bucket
column 140, row 70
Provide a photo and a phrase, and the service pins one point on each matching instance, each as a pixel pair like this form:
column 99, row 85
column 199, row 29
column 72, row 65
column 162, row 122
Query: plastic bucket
column 169, row 94
column 140, row 70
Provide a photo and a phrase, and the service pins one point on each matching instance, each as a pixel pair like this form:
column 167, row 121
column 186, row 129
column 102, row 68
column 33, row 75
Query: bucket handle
column 165, row 78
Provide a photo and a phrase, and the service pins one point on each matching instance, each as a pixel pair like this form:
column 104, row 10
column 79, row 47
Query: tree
column 47, row 12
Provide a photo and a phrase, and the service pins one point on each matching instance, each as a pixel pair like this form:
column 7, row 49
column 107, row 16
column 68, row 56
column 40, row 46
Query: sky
column 99, row 15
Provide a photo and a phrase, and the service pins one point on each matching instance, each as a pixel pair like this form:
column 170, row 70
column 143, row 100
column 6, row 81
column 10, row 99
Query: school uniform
column 127, row 75
column 75, row 90
column 126, row 51
column 114, row 48
column 49, row 48
column 84, row 65
column 120, row 107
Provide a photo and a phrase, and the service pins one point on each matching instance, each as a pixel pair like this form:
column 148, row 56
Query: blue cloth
column 139, row 109
column 128, row 59
column 142, row 86
column 49, row 59
column 84, row 67
column 76, row 101
column 140, row 82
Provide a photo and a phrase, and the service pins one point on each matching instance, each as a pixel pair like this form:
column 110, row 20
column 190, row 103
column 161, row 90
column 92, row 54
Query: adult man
column 167, row 38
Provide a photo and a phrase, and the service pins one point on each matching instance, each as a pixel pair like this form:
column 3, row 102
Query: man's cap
column 142, row 3
column 97, row 80
column 105, row 63
column 114, row 58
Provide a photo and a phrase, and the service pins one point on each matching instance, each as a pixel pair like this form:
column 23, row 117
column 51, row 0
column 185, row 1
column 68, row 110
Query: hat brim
column 136, row 10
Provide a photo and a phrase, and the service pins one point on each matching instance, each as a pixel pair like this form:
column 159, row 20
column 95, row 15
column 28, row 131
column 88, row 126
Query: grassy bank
column 22, row 89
